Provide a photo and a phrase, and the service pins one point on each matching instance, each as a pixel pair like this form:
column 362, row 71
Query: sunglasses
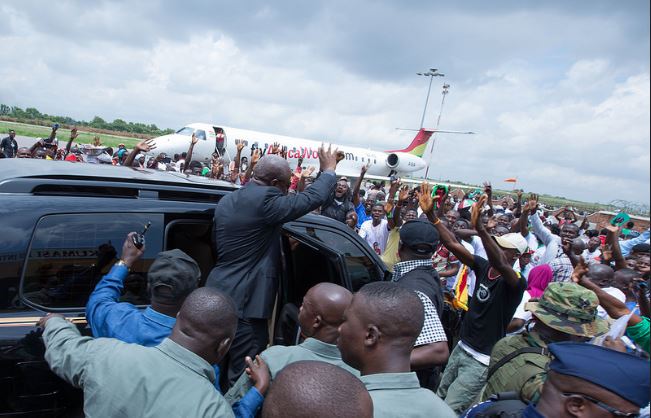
column 603, row 406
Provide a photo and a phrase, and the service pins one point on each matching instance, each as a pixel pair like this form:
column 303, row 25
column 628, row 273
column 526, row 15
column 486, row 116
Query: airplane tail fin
column 418, row 144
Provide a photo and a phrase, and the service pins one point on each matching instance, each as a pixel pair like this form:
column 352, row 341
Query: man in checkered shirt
column 418, row 241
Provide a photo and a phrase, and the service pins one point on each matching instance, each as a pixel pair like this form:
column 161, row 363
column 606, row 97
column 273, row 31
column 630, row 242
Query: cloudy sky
column 558, row 92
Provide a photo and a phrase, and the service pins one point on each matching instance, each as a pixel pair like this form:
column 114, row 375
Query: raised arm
column 613, row 306
column 145, row 145
column 255, row 157
column 396, row 220
column 73, row 135
column 104, row 311
column 613, row 239
column 488, row 190
column 627, row 246
column 426, row 202
column 518, row 204
column 238, row 157
column 280, row 208
column 538, row 228
column 358, row 184
column 496, row 257
column 188, row 158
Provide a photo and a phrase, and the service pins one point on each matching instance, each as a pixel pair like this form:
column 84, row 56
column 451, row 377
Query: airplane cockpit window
column 187, row 131
column 200, row 134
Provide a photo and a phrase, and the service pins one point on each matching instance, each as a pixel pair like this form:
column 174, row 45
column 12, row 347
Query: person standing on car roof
column 171, row 278
column 248, row 225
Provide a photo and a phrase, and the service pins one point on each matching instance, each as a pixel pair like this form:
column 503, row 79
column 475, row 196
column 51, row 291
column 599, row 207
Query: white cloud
column 575, row 126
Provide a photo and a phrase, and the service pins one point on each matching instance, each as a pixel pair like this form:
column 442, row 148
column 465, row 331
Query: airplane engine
column 404, row 162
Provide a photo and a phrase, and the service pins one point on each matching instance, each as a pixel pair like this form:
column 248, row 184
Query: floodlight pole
column 445, row 92
column 433, row 72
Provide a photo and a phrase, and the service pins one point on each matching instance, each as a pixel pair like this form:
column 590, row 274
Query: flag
column 511, row 180
column 460, row 300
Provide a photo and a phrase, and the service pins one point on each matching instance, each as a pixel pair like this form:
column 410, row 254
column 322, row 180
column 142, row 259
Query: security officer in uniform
column 566, row 312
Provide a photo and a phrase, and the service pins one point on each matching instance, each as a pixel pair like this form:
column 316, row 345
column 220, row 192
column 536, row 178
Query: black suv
column 62, row 226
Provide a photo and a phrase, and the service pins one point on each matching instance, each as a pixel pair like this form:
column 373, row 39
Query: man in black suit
column 247, row 235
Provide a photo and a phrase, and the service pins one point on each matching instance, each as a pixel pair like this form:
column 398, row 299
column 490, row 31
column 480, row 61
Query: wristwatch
column 122, row 263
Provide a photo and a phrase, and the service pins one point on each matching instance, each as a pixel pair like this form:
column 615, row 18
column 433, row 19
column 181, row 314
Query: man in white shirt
column 376, row 230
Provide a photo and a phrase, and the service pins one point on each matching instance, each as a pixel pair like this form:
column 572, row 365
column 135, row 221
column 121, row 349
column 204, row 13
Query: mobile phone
column 620, row 219
column 139, row 239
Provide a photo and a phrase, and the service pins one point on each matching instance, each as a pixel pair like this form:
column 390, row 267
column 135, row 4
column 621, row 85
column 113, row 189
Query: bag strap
column 543, row 351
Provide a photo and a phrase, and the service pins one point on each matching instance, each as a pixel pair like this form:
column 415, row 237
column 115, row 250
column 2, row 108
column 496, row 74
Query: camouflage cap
column 569, row 308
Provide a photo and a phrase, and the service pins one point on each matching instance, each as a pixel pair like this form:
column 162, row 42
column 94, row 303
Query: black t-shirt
column 337, row 211
column 490, row 310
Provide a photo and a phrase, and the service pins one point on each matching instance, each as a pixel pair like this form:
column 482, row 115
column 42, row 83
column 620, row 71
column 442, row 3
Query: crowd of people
column 495, row 307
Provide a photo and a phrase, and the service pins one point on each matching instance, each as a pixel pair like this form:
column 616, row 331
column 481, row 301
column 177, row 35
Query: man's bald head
column 314, row 389
column 273, row 170
column 322, row 311
column 601, row 274
column 206, row 324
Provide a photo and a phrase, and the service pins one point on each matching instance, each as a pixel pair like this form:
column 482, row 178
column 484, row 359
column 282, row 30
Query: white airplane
column 224, row 140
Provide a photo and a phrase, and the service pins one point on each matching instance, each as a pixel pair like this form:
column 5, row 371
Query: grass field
column 63, row 135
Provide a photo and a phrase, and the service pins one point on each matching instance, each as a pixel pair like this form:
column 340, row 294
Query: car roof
column 24, row 168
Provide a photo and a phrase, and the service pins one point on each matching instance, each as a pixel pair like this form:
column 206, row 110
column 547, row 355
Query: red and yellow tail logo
column 419, row 144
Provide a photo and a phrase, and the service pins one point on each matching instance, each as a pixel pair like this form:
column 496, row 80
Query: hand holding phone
column 139, row 239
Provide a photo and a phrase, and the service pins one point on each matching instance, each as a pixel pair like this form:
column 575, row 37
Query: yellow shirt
column 390, row 255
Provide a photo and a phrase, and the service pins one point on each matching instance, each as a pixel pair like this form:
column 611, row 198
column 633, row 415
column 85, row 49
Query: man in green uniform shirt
column 566, row 312
column 172, row 379
column 320, row 316
column 377, row 337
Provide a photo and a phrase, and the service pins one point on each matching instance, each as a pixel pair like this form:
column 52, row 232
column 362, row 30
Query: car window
column 69, row 254
column 361, row 268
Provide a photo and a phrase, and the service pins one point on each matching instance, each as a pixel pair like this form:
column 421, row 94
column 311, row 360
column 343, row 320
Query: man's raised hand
column 194, row 139
column 73, row 134
column 581, row 269
column 131, row 253
column 240, row 147
column 145, row 145
column 308, row 172
column 404, row 193
column 255, row 157
column 365, row 168
column 425, row 199
column 477, row 209
column 328, row 158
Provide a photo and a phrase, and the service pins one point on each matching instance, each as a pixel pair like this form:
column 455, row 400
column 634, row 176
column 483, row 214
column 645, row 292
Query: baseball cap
column 514, row 241
column 175, row 270
column 420, row 236
column 569, row 308
column 623, row 374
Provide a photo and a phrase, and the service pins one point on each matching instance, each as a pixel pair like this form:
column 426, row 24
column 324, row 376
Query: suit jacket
column 247, row 238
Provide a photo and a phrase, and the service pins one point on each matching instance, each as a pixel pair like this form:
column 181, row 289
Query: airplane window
column 187, row 131
column 200, row 134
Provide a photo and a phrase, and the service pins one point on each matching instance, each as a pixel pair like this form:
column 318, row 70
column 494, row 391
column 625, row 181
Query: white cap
column 513, row 240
